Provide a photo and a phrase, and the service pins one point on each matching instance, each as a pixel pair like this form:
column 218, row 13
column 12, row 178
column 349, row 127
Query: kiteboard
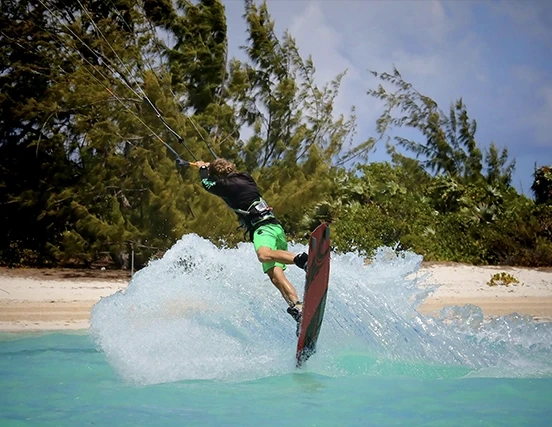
column 316, row 289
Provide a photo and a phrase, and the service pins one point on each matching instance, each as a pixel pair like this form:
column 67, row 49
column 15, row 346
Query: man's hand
column 201, row 163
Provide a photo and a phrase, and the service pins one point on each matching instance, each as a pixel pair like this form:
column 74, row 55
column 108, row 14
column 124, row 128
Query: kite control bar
column 185, row 163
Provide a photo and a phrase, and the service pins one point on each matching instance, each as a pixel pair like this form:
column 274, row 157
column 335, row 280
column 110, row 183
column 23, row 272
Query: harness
column 258, row 213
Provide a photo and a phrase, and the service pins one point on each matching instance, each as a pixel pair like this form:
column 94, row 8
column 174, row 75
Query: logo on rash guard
column 208, row 183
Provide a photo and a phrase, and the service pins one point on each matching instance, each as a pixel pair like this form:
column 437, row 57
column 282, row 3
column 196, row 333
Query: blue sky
column 496, row 55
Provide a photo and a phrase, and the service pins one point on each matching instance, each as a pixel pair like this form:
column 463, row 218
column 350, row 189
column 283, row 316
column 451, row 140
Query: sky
column 494, row 54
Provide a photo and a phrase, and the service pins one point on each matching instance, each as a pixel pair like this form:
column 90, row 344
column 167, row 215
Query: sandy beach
column 53, row 299
column 465, row 284
column 42, row 299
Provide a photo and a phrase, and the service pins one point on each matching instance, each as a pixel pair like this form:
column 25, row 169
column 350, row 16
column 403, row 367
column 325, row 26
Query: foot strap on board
column 296, row 310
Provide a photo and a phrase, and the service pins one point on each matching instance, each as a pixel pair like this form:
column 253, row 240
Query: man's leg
column 279, row 279
column 265, row 254
column 289, row 293
column 271, row 248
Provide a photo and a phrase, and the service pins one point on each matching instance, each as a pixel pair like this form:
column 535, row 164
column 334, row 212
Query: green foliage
column 86, row 173
column 198, row 58
column 81, row 191
column 542, row 185
column 522, row 235
column 373, row 206
column 502, row 279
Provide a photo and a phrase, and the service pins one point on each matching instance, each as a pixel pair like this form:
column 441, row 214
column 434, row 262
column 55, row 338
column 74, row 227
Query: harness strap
column 258, row 208
column 258, row 213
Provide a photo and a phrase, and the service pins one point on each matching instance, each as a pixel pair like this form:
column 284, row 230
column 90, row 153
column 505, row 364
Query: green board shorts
column 272, row 236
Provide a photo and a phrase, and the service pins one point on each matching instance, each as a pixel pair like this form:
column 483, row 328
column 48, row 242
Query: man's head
column 219, row 168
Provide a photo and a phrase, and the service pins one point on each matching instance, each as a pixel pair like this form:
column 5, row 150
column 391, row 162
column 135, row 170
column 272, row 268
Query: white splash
column 202, row 313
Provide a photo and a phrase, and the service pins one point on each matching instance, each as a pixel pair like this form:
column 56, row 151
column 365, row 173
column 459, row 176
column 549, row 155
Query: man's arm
column 208, row 183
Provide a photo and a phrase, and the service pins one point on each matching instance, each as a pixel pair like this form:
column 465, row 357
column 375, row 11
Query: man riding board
column 240, row 192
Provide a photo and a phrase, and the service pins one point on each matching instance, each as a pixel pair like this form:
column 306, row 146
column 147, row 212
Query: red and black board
column 316, row 290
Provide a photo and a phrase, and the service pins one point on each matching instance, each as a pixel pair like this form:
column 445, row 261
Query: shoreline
column 463, row 284
column 34, row 300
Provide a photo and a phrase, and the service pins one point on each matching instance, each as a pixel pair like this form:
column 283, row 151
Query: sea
column 201, row 337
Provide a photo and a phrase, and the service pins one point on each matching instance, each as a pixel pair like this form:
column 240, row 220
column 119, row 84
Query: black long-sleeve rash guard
column 239, row 191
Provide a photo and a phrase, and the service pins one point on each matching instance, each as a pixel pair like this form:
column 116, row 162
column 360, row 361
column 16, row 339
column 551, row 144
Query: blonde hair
column 219, row 168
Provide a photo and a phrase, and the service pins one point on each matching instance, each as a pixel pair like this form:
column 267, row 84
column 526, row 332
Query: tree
column 87, row 172
column 30, row 125
column 449, row 146
column 197, row 58
column 542, row 185
column 276, row 95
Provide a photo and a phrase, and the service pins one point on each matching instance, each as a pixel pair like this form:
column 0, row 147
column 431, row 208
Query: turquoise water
column 200, row 337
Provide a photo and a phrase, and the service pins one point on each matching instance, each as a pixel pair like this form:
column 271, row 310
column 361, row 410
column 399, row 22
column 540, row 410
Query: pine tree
column 31, row 126
column 88, row 171
column 449, row 146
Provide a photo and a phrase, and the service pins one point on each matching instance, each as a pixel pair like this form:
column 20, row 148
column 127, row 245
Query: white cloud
column 488, row 53
column 532, row 17
column 530, row 99
column 322, row 41
column 358, row 36
column 414, row 36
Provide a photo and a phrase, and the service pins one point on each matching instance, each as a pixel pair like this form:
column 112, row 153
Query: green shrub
column 502, row 279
